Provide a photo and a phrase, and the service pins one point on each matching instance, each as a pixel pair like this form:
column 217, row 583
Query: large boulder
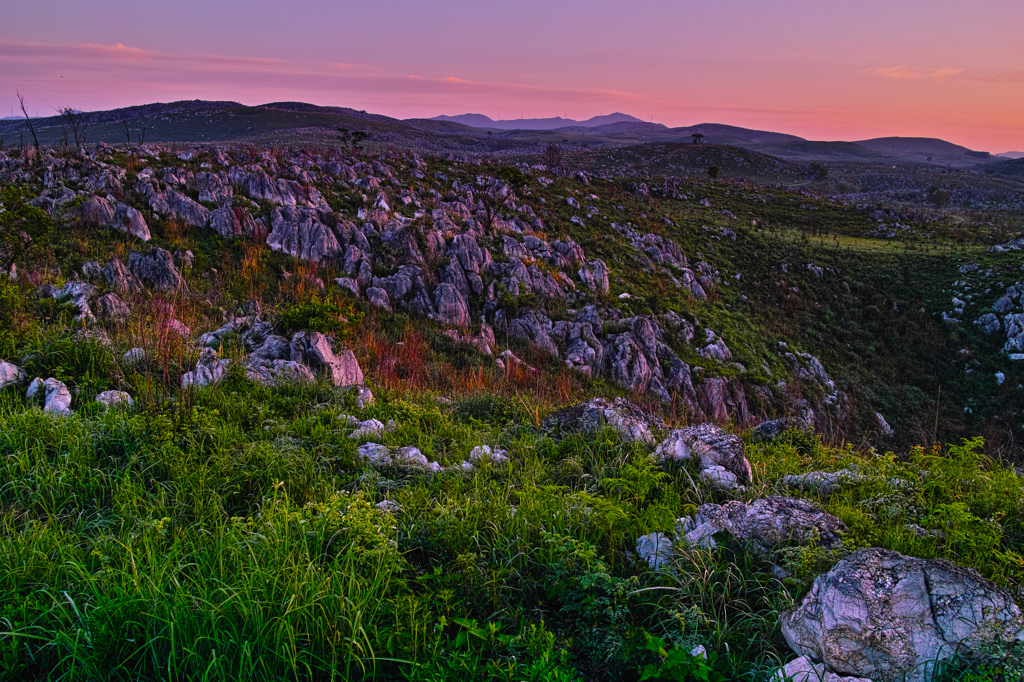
column 889, row 617
column 633, row 423
column 714, row 449
column 157, row 270
column 53, row 394
column 766, row 524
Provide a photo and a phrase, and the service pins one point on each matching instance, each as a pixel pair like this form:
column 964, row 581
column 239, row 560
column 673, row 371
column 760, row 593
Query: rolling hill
column 481, row 121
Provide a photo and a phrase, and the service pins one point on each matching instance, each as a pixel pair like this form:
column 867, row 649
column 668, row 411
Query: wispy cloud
column 120, row 66
column 1014, row 75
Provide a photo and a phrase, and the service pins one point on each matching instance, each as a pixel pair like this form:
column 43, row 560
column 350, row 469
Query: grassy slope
column 229, row 532
column 232, row 535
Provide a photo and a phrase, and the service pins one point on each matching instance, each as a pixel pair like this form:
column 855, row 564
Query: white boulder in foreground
column 888, row 617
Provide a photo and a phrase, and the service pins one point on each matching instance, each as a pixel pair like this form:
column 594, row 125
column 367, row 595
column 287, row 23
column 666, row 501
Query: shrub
column 328, row 315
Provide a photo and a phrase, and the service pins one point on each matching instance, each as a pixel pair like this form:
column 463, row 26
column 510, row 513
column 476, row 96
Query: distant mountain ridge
column 224, row 121
column 482, row 121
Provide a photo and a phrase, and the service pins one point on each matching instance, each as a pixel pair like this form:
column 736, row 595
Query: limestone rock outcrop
column 888, row 617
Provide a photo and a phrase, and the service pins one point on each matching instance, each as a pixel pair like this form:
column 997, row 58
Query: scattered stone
column 368, row 428
column 10, row 374
column 277, row 372
column 485, row 452
column 53, row 394
column 314, row 350
column 824, row 483
column 888, row 617
column 773, row 428
column 134, row 356
column 712, row 447
column 111, row 307
column 407, row 457
column 157, row 270
column 633, row 423
column 388, row 506
column 767, row 524
column 115, row 399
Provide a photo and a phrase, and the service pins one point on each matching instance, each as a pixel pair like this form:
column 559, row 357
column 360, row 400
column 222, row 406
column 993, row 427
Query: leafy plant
column 330, row 315
column 678, row 665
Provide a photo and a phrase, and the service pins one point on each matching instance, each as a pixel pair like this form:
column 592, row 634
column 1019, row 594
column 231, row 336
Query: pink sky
column 822, row 70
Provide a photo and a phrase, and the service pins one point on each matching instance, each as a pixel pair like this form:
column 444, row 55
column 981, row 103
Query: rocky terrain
column 469, row 414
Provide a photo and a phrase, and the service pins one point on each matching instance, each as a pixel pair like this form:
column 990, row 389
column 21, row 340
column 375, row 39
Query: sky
column 823, row 69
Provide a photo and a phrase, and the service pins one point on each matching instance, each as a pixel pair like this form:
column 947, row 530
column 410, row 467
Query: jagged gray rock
column 53, row 394
column 989, row 323
column 10, row 374
column 109, row 306
column 299, row 232
column 889, row 617
column 378, row 298
column 451, row 306
column 209, row 371
column 156, row 269
column 773, row 428
column 134, row 356
column 121, row 279
column 228, row 221
column 710, row 445
column 633, row 423
column 314, row 350
column 657, row 549
column 277, row 372
column 767, row 524
column 595, row 277
column 130, row 221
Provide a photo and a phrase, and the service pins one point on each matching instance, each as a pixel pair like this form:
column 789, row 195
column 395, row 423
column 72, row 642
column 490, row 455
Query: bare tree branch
column 31, row 128
column 78, row 124
column 127, row 135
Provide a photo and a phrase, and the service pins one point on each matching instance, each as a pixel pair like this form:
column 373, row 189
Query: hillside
column 415, row 405
column 481, row 121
